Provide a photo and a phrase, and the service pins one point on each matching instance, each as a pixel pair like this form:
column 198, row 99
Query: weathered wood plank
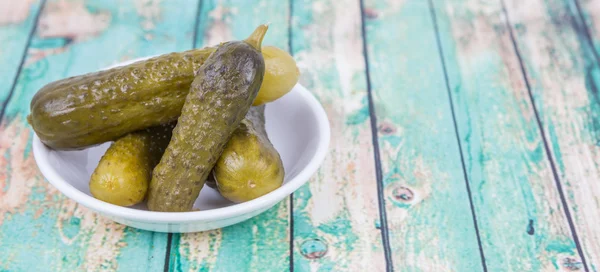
column 564, row 74
column 40, row 229
column 17, row 20
column 336, row 217
column 590, row 10
column 431, row 227
column 521, row 221
column 261, row 243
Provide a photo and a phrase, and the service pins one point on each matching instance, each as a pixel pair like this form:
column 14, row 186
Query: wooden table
column 465, row 135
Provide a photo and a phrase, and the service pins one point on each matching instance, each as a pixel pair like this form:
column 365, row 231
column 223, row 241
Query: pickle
column 90, row 109
column 281, row 75
column 124, row 171
column 249, row 166
column 219, row 98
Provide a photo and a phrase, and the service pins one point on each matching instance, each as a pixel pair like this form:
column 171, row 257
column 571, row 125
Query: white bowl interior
column 291, row 126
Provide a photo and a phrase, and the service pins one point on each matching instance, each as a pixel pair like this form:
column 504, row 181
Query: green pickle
column 221, row 94
column 124, row 172
column 281, row 75
column 94, row 108
column 249, row 166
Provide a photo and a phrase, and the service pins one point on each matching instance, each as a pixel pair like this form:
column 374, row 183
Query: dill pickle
column 124, row 171
column 249, row 166
column 220, row 96
column 281, row 74
column 93, row 108
column 90, row 109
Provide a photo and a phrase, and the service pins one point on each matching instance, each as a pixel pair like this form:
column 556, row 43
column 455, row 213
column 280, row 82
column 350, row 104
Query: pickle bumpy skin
column 219, row 98
column 94, row 108
column 90, row 109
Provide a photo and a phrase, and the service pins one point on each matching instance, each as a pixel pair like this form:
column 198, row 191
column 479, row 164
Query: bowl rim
column 41, row 152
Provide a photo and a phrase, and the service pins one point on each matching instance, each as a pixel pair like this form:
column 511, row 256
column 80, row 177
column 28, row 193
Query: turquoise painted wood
column 426, row 127
column 590, row 11
column 17, row 19
column 261, row 243
column 564, row 72
column 518, row 207
column 40, row 229
column 428, row 214
column 336, row 216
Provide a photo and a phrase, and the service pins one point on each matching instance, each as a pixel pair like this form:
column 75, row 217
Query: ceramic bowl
column 296, row 124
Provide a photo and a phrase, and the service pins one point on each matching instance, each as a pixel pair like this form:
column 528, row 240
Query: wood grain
column 521, row 220
column 261, row 243
column 40, row 229
column 483, row 112
column 336, row 217
column 590, row 10
column 563, row 74
column 430, row 223
column 17, row 20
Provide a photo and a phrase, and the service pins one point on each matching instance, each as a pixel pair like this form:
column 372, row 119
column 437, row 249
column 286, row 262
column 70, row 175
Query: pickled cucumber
column 124, row 172
column 90, row 109
column 249, row 166
column 281, row 75
column 219, row 98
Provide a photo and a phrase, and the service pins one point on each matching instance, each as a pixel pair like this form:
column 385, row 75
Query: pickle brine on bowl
column 182, row 142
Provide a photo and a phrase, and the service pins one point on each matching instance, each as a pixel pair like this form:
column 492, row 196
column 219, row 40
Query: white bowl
column 296, row 124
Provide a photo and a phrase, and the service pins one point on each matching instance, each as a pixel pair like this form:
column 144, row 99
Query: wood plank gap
column 586, row 32
column 457, row 134
column 196, row 24
column 544, row 139
column 376, row 154
column 23, row 57
column 291, row 51
column 292, row 232
column 168, row 251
